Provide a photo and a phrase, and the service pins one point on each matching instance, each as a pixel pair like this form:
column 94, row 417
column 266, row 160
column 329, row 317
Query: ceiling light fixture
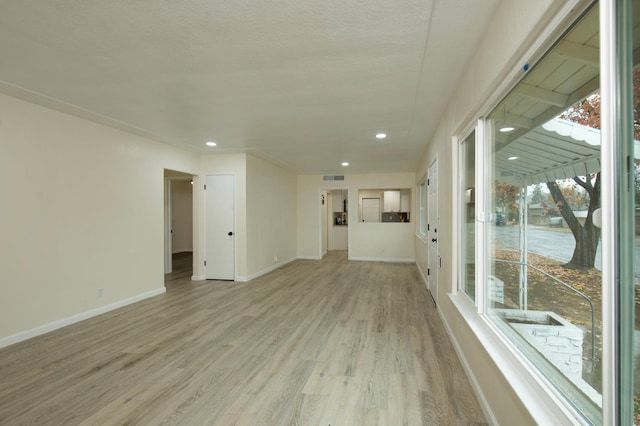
column 345, row 163
column 211, row 143
column 507, row 129
column 381, row 135
column 513, row 157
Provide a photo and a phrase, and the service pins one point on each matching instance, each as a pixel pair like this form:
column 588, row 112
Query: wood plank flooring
column 328, row 342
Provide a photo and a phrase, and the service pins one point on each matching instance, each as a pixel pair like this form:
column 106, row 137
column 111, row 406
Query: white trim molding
column 264, row 271
column 386, row 259
column 37, row 331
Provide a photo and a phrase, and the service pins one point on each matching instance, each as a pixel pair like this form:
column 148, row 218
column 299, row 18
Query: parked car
column 501, row 219
column 555, row 221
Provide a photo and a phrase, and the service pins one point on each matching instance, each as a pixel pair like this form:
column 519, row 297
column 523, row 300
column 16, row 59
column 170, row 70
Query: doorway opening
column 334, row 220
column 178, row 220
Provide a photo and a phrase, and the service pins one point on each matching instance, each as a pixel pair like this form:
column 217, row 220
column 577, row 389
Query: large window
column 549, row 247
column 541, row 269
column 544, row 276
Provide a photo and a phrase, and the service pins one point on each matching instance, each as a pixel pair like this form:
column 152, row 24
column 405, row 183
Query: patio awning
column 558, row 149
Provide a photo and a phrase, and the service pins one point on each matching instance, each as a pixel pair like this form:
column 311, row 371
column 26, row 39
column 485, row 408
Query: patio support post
column 524, row 273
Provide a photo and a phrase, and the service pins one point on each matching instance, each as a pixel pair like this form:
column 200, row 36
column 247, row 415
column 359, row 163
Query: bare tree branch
column 586, row 184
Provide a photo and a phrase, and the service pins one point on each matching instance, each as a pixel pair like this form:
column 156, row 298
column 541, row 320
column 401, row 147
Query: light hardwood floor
column 328, row 342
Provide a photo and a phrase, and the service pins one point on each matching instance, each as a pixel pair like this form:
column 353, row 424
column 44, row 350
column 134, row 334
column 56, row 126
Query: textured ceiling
column 304, row 82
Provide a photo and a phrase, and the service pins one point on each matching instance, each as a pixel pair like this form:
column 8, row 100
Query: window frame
column 541, row 398
column 618, row 204
column 461, row 214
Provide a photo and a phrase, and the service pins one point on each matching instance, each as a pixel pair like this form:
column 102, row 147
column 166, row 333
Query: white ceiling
column 306, row 83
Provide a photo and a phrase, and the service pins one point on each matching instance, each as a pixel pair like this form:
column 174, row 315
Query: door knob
column 434, row 240
column 230, row 233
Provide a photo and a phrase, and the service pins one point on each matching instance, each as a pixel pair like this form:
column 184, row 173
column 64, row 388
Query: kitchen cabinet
column 391, row 201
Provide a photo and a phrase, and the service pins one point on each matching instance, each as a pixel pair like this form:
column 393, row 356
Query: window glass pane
column 544, row 264
column 468, row 222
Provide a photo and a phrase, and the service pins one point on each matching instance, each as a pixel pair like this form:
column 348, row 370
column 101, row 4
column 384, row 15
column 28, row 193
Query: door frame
column 168, row 215
column 324, row 227
column 324, row 222
column 235, row 222
column 168, row 249
column 433, row 275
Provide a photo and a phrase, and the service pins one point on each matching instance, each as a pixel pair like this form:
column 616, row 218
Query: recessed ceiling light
column 345, row 163
column 211, row 143
column 507, row 129
column 381, row 135
column 513, row 157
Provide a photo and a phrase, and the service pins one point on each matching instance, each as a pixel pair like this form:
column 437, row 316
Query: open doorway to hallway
column 335, row 220
column 178, row 208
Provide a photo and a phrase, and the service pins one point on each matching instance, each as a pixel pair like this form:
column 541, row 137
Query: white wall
column 81, row 209
column 367, row 241
column 265, row 213
column 181, row 215
column 516, row 24
column 271, row 216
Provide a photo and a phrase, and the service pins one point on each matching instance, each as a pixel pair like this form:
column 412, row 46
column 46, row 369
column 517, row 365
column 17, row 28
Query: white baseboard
column 310, row 257
column 265, row 271
column 24, row 335
column 385, row 259
column 197, row 278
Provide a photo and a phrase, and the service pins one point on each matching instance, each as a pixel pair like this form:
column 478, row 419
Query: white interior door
column 432, row 229
column 371, row 209
column 219, row 227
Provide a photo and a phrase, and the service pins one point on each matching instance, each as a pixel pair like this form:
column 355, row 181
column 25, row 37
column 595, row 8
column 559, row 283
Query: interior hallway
column 314, row 342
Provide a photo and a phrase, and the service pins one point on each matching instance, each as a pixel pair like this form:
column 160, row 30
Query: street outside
column 555, row 243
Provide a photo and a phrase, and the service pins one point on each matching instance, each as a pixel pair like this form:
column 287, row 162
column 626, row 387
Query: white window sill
column 542, row 400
